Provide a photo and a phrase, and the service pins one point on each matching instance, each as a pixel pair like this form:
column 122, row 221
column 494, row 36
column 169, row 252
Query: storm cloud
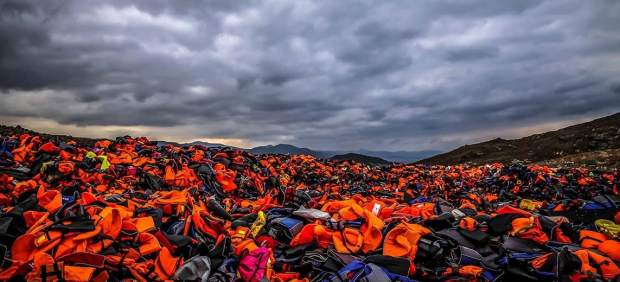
column 395, row 75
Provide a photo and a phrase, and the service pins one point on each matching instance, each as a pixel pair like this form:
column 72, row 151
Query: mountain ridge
column 601, row 134
column 360, row 158
column 390, row 156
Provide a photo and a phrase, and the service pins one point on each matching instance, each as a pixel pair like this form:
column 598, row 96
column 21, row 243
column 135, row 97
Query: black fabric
column 174, row 225
column 568, row 263
column 433, row 248
column 220, row 252
column 178, row 240
column 151, row 182
column 156, row 213
column 16, row 173
column 394, row 265
column 343, row 258
column 569, row 231
column 442, row 222
column 502, row 223
column 455, row 235
column 3, row 263
column 295, row 254
column 12, row 224
column 583, row 216
column 521, row 245
column 547, row 225
column 75, row 224
column 477, row 237
column 245, row 221
column 217, row 210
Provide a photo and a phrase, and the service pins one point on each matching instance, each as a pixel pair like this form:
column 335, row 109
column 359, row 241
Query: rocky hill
column 572, row 143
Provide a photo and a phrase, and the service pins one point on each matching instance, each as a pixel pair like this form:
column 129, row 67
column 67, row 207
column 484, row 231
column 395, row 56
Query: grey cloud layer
column 323, row 74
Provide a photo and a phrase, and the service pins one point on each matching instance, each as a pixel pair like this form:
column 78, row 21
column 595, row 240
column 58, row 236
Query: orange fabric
column 113, row 198
column 424, row 210
column 471, row 271
column 50, row 200
column 171, row 197
column 23, row 248
column 88, row 234
column 540, row 261
column 245, row 245
column 402, row 240
column 348, row 241
column 286, row 277
column 49, row 147
column 148, row 243
column 529, row 228
column 67, row 246
column 123, row 158
column 313, row 233
column 370, row 230
column 510, row 209
column 202, row 225
column 110, row 222
column 468, row 223
column 103, row 144
column 198, row 155
column 102, row 277
column 144, row 224
column 41, row 259
column 78, row 273
column 608, row 268
column 44, row 238
column 166, row 264
column 239, row 234
column 225, row 177
column 611, row 248
column 591, row 239
column 97, row 246
column 66, row 167
column 561, row 237
column 33, row 218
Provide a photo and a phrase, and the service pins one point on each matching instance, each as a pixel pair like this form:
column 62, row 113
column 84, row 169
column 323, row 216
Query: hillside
column 601, row 134
column 603, row 158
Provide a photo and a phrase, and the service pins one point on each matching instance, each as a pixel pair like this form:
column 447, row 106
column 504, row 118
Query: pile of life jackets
column 133, row 209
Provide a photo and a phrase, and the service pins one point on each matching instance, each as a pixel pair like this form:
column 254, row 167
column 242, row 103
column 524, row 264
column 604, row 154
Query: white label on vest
column 376, row 208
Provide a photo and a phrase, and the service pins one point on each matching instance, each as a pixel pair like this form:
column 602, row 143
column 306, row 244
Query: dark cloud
column 471, row 53
column 324, row 74
column 616, row 88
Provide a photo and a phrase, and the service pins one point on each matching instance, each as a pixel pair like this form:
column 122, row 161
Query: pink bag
column 253, row 266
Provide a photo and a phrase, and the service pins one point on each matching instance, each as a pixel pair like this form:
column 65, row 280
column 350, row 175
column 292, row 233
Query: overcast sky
column 340, row 74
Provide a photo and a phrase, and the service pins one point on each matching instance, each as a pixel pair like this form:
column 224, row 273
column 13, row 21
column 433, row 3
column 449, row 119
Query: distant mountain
column 208, row 145
column 360, row 158
column 287, row 149
column 196, row 143
column 398, row 156
column 570, row 143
